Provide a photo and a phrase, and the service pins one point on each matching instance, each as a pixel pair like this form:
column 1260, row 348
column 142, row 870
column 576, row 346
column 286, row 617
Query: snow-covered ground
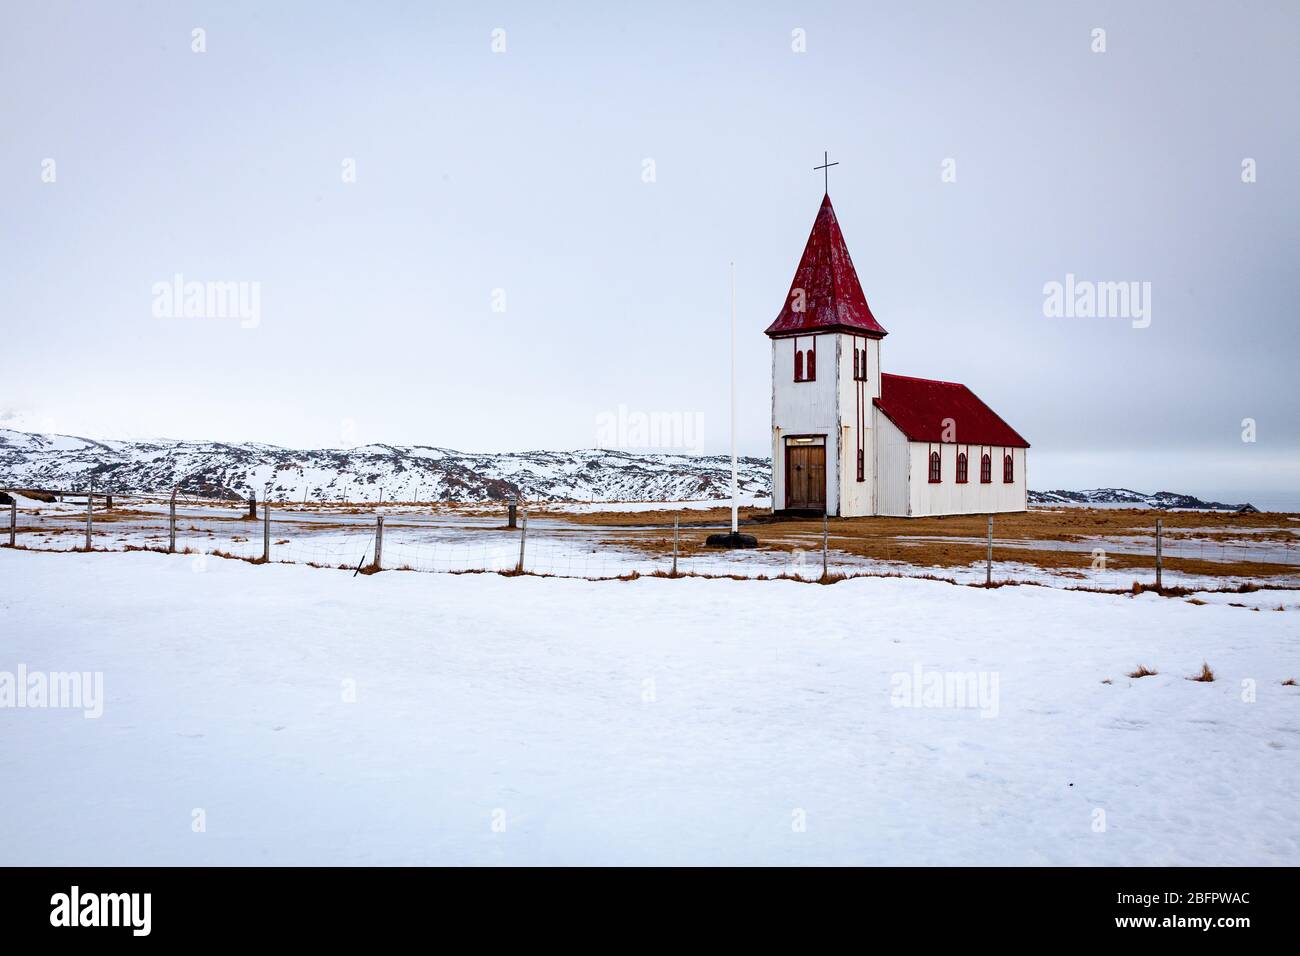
column 526, row 720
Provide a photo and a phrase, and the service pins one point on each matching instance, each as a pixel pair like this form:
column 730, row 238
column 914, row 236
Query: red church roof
column 832, row 295
column 918, row 406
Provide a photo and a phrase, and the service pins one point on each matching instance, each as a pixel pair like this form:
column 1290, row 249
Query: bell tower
column 825, row 378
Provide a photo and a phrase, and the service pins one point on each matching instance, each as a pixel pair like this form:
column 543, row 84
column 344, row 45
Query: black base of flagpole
column 732, row 539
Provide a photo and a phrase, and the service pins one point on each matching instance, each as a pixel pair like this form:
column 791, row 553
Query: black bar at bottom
column 937, row 905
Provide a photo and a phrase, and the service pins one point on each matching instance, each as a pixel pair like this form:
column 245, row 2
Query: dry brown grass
column 1206, row 676
column 806, row 536
column 661, row 517
column 1063, row 524
column 218, row 553
column 1290, row 682
column 1143, row 671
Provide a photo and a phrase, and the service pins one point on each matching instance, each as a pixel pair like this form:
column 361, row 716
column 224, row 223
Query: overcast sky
column 501, row 272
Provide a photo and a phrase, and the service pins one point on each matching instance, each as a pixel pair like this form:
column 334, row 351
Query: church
column 849, row 439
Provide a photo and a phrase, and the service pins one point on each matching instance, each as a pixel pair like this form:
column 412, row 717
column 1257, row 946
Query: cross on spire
column 826, row 168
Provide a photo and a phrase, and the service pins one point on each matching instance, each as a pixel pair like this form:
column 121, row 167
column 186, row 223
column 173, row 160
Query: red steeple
column 832, row 296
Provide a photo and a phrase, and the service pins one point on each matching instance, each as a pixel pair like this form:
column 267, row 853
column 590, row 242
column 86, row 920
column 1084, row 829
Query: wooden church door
column 805, row 477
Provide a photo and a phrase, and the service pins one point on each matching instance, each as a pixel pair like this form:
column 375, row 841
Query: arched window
column 812, row 365
column 798, row 365
column 862, row 465
column 856, row 374
column 986, row 469
column 935, row 473
column 1008, row 470
column 961, row 468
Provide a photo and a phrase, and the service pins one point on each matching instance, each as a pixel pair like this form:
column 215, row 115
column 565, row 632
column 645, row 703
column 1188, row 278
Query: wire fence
column 366, row 539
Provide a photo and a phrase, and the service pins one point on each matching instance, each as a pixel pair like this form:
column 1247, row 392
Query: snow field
column 526, row 720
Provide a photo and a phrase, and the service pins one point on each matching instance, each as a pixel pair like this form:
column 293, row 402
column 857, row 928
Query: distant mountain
column 420, row 473
column 1133, row 499
column 367, row 473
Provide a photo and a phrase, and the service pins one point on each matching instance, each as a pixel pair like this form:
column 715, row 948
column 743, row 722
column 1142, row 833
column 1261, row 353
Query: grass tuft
column 1206, row 676
column 1143, row 671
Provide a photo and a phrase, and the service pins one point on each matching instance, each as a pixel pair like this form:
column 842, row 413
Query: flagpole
column 733, row 539
column 735, row 525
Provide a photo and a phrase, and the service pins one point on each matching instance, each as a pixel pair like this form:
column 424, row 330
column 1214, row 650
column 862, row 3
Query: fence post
column 379, row 540
column 266, row 528
column 511, row 521
column 252, row 505
column 825, row 538
column 988, row 568
column 523, row 537
column 1159, row 549
column 171, row 525
column 13, row 522
column 676, row 534
column 90, row 502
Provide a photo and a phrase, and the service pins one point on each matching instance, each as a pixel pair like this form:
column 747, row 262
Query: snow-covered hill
column 367, row 473
column 1125, row 497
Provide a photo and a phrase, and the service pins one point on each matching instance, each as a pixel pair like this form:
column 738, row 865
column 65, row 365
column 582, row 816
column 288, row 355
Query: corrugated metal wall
column 857, row 413
column 805, row 408
column 893, row 467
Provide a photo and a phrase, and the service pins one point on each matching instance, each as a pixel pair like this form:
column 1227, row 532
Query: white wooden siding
column 947, row 497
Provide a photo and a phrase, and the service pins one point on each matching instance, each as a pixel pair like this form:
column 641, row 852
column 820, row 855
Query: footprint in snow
column 1128, row 724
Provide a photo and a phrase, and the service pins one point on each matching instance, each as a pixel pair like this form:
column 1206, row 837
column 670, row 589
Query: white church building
column 849, row 439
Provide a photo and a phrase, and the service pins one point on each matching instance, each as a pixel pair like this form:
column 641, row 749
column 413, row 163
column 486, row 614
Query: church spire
column 825, row 294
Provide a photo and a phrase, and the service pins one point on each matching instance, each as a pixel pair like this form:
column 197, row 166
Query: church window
column 812, row 365
column 935, row 473
column 798, row 365
column 986, row 470
column 1008, row 470
column 961, row 468
column 862, row 465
